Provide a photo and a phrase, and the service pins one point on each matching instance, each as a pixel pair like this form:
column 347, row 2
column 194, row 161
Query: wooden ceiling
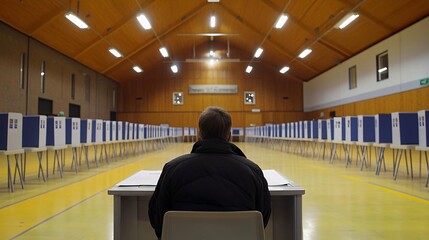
column 247, row 25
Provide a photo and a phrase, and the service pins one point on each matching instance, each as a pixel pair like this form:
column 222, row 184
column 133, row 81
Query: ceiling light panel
column 137, row 69
column 249, row 69
column 284, row 69
column 349, row 18
column 281, row 21
column 144, row 22
column 213, row 21
column 305, row 53
column 258, row 52
column 76, row 20
column 163, row 52
column 115, row 52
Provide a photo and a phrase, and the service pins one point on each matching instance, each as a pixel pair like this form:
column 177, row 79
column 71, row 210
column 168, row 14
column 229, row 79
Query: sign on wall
column 213, row 89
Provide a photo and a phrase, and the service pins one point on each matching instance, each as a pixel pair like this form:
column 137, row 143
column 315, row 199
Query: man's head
column 215, row 122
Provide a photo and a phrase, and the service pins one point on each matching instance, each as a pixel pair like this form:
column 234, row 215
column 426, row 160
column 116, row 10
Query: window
column 74, row 110
column 22, row 71
column 382, row 66
column 87, row 80
column 42, row 77
column 114, row 99
column 73, row 87
column 352, row 77
column 45, row 107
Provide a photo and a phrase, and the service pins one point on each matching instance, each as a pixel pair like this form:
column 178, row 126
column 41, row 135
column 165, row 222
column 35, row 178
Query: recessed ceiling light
column 174, row 68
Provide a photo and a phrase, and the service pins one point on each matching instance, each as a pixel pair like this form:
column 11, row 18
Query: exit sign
column 424, row 81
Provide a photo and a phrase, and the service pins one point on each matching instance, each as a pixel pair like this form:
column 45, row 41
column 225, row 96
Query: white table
column 131, row 220
column 39, row 152
column 425, row 150
column 18, row 154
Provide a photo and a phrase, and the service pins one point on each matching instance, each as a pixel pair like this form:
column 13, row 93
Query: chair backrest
column 197, row 225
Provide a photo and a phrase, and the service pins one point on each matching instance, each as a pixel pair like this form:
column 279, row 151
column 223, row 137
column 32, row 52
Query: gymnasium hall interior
column 331, row 94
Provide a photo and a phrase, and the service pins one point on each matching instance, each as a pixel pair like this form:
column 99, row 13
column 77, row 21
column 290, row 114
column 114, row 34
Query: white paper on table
column 142, row 178
column 150, row 178
column 274, row 178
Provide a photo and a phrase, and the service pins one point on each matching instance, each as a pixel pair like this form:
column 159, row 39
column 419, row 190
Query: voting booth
column 280, row 130
column 97, row 131
column 314, row 129
column 383, row 128
column 85, row 131
column 56, row 131
column 300, row 129
column 366, row 129
column 72, row 131
column 135, row 131
column 283, row 130
column 141, row 131
column 106, row 131
column 306, row 130
column 130, row 131
column 405, row 130
column 11, row 131
column 125, row 130
column 34, row 131
column 339, row 129
column 351, row 129
column 288, row 130
column 119, row 134
column 113, row 129
column 423, row 117
column 322, row 129
column 330, row 129
column 293, row 132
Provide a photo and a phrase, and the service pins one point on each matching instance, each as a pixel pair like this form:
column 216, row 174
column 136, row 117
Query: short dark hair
column 215, row 122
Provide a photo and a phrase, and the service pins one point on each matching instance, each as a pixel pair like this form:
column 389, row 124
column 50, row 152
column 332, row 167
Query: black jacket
column 215, row 176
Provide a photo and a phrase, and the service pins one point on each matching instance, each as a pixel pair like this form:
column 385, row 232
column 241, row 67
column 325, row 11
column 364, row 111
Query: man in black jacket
column 215, row 176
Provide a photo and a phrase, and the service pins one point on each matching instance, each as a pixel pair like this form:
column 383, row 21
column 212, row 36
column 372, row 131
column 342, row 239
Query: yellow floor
column 340, row 203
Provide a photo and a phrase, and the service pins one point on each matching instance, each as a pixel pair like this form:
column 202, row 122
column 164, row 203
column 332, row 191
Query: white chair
column 197, row 225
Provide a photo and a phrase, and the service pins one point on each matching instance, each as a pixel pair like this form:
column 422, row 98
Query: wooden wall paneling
column 252, row 119
column 409, row 101
column 158, row 84
column 12, row 45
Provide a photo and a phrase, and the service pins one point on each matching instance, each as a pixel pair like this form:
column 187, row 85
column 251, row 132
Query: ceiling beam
column 370, row 17
column 117, row 27
column 37, row 25
column 325, row 43
column 279, row 48
column 188, row 17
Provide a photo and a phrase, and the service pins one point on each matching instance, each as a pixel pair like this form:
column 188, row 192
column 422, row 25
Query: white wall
column 408, row 63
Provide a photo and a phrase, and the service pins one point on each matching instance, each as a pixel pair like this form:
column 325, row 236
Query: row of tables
column 102, row 152
column 313, row 147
